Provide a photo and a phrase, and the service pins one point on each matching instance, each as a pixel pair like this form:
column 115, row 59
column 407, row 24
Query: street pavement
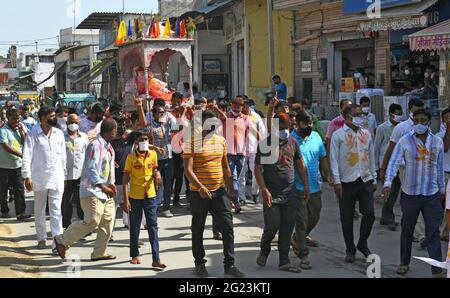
column 19, row 256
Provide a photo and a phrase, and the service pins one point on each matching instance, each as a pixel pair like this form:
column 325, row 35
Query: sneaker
column 261, row 260
column 233, row 272
column 217, row 236
column 166, row 213
column 350, row 258
column 364, row 250
column 200, row 271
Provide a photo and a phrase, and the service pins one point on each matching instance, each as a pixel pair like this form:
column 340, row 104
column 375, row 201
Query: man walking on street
column 277, row 183
column 44, row 169
column 12, row 138
column 423, row 187
column 206, row 166
column 315, row 158
column 382, row 139
column 97, row 196
column 354, row 174
column 76, row 144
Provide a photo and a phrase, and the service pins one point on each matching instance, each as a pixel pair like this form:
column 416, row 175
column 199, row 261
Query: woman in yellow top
column 141, row 170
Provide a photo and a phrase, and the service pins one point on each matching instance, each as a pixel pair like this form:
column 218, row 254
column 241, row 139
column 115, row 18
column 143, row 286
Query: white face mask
column 72, row 127
column 143, row 146
column 411, row 115
column 358, row 121
column 407, row 72
column 366, row 110
column 235, row 114
column 283, row 134
column 397, row 118
column 427, row 75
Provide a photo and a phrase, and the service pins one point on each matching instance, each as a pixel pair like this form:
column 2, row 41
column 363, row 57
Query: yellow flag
column 121, row 34
column 167, row 29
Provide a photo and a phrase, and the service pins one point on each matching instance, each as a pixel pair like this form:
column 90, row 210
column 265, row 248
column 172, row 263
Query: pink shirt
column 335, row 124
column 238, row 127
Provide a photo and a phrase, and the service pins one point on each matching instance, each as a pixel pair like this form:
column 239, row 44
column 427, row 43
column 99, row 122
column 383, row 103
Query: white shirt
column 258, row 125
column 370, row 123
column 44, row 159
column 382, row 139
column 401, row 130
column 352, row 156
column 75, row 151
column 446, row 154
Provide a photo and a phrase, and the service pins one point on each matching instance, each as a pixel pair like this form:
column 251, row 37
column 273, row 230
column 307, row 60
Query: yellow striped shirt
column 207, row 164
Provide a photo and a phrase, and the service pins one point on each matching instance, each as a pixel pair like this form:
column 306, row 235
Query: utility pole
column 271, row 40
column 37, row 52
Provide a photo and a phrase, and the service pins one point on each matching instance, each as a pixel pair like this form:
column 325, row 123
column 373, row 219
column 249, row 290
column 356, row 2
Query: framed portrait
column 212, row 66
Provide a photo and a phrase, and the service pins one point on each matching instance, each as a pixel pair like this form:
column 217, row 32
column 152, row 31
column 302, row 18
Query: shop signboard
column 387, row 24
column 357, row 6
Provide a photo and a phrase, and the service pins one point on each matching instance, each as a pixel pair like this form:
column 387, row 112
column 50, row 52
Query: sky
column 31, row 20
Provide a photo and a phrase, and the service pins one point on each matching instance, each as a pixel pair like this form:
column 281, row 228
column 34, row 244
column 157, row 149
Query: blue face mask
column 420, row 129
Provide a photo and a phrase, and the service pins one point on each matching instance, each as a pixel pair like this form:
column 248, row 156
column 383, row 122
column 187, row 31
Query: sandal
column 290, row 268
column 402, row 269
column 104, row 258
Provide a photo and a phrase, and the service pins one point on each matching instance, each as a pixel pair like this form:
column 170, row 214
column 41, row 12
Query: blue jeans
column 165, row 167
column 149, row 207
column 431, row 208
column 236, row 163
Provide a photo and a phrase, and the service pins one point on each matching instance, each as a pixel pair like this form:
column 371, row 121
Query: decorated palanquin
column 144, row 59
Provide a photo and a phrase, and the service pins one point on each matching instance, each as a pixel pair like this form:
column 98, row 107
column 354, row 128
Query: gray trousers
column 306, row 219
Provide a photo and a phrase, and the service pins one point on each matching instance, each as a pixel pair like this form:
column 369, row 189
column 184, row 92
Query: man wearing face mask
column 236, row 127
column 44, row 169
column 76, row 144
column 354, row 173
column 277, row 182
column 370, row 121
column 308, row 212
column 61, row 115
column 382, row 139
column 92, row 123
column 399, row 131
column 423, row 187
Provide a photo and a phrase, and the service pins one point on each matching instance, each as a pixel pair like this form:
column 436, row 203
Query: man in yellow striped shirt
column 206, row 167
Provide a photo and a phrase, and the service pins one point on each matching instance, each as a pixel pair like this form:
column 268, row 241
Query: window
column 307, row 89
column 46, row 59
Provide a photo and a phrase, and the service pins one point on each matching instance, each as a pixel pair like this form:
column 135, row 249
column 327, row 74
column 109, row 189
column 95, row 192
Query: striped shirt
column 424, row 169
column 207, row 165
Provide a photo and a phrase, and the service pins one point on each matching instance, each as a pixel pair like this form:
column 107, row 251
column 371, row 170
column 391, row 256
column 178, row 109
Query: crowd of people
column 137, row 161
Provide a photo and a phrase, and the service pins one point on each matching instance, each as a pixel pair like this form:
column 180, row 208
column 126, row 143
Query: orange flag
column 183, row 31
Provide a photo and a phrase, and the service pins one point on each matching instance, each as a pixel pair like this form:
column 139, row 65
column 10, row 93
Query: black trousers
column 279, row 218
column 220, row 207
column 351, row 193
column 71, row 197
column 178, row 177
column 387, row 213
column 12, row 177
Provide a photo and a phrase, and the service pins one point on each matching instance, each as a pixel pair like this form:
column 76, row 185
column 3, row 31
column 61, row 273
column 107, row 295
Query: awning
column 77, row 72
column 397, row 18
column 436, row 37
column 96, row 71
column 210, row 10
column 58, row 66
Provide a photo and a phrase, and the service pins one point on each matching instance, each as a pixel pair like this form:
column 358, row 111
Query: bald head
column 73, row 119
column 108, row 130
